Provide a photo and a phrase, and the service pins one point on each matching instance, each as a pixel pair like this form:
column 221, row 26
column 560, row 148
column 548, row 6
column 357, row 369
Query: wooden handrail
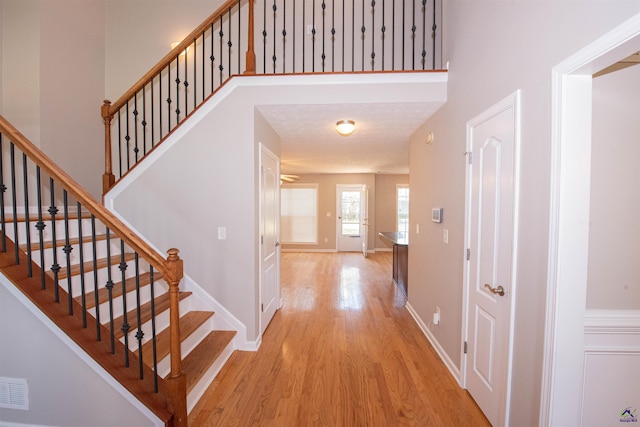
column 164, row 62
column 86, row 199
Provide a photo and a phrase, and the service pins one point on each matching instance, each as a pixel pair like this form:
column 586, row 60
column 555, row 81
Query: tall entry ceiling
column 387, row 109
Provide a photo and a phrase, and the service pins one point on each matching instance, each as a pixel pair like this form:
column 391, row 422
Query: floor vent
column 14, row 393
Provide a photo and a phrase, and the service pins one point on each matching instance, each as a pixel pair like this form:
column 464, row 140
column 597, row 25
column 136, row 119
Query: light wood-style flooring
column 342, row 351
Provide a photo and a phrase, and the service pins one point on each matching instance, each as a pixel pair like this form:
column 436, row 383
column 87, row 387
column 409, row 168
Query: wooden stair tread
column 88, row 266
column 60, row 243
column 130, row 284
column 189, row 323
column 161, row 304
column 204, row 355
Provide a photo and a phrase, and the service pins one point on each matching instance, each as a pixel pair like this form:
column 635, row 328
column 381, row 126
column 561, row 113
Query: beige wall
column 495, row 48
column 614, row 233
column 53, row 81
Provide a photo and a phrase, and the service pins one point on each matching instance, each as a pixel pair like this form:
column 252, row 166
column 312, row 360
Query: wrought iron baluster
column 274, row 58
column 14, row 201
column 125, row 323
column 284, row 36
column 177, row 80
column 153, row 328
column 403, row 30
column 186, row 83
column 120, row 143
column 139, row 333
column 55, row 267
column 362, row 30
column 40, row 226
column 109, row 286
column 3, row 189
column 264, row 36
column 373, row 39
column 304, row 19
column 27, row 220
column 221, row 34
column 413, row 35
column 203, row 70
column 159, row 102
column 136, row 150
column 313, row 36
column 67, row 248
column 333, row 35
column 169, row 98
column 127, row 137
column 293, row 30
column 239, row 37
column 353, row 35
column 424, row 32
column 433, row 34
column 144, row 118
column 229, row 44
column 94, row 253
column 324, row 7
column 344, row 34
column 393, row 35
column 383, row 29
column 83, row 297
column 212, row 59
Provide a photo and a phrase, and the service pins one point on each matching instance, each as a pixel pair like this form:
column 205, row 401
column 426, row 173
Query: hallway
column 342, row 351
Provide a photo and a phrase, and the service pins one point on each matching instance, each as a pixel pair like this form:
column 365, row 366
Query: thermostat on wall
column 436, row 215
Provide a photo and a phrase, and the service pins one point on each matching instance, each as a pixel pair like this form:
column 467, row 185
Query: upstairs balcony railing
column 267, row 37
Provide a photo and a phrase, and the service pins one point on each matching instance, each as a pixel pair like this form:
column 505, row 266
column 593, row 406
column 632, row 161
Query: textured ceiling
column 380, row 143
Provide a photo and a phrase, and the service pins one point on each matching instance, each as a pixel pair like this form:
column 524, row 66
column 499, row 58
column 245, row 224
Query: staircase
column 103, row 286
column 107, row 300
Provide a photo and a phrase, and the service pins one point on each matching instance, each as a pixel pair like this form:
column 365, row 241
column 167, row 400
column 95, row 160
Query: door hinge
column 262, row 240
column 465, row 347
column 468, row 254
column 262, row 309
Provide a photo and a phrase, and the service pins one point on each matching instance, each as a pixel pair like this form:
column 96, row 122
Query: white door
column 365, row 220
column 269, row 236
column 350, row 217
column 492, row 145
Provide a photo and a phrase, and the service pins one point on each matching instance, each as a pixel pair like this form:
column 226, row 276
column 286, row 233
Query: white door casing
column 269, row 236
column 349, row 218
column 490, row 238
column 365, row 220
column 564, row 353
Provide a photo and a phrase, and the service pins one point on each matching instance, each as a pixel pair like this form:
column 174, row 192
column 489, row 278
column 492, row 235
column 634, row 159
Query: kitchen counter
column 400, row 241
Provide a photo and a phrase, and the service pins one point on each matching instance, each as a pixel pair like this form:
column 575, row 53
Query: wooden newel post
column 176, row 382
column 108, row 179
column 251, row 54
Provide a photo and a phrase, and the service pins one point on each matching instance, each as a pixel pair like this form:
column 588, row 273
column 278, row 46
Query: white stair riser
column 47, row 232
column 145, row 296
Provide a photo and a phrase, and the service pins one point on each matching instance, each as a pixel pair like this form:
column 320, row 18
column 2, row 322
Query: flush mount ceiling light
column 345, row 127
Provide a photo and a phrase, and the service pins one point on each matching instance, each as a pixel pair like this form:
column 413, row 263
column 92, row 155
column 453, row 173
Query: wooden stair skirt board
column 204, row 350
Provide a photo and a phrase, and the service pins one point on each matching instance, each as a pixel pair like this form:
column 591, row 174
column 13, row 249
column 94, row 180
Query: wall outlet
column 326, row 240
column 222, row 233
column 436, row 316
column 445, row 236
column 417, row 228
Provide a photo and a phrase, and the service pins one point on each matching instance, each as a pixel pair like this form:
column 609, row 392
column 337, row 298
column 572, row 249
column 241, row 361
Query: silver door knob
column 498, row 291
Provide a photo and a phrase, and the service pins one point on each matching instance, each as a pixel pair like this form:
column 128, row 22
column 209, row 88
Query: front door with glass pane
column 350, row 218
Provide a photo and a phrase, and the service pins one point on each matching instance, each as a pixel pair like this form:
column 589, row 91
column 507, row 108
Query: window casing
column 402, row 208
column 299, row 213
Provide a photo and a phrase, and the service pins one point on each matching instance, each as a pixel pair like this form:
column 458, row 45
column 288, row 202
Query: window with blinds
column 299, row 213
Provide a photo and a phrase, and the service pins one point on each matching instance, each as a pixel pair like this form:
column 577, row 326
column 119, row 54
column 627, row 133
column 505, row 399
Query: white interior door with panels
column 269, row 236
column 490, row 237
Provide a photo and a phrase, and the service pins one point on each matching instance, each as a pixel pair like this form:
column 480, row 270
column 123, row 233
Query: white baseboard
column 309, row 250
column 451, row 366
